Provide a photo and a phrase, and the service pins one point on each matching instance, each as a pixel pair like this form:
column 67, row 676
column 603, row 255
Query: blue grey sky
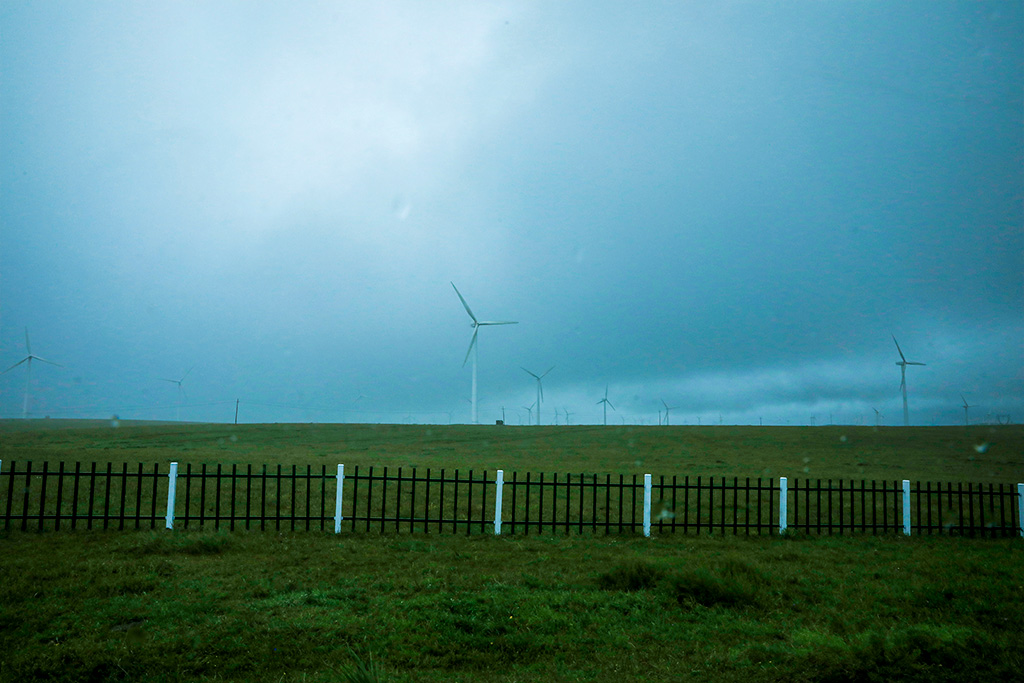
column 729, row 207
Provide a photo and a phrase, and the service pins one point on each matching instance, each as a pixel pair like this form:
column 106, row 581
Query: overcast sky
column 729, row 207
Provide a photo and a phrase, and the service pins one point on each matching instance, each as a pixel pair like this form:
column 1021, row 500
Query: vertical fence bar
column 172, row 483
column 647, row 505
column 783, row 498
column 340, row 478
column 906, row 507
column 499, row 481
column 1020, row 508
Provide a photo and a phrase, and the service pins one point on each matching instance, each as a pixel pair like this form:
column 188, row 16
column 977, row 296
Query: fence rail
column 293, row 498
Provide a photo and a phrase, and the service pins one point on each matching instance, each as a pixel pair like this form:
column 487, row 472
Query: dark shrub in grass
column 630, row 577
column 711, row 589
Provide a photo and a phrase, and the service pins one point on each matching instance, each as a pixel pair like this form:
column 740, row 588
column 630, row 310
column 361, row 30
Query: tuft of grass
column 631, row 577
column 734, row 584
column 360, row 670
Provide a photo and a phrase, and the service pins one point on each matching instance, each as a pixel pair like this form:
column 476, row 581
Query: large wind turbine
column 606, row 403
column 903, row 363
column 540, row 387
column 473, row 348
column 967, row 421
column 27, row 360
column 181, row 392
column 667, row 409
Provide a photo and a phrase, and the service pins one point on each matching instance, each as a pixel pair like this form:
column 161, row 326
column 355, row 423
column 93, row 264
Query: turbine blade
column 186, row 374
column 28, row 344
column 610, row 404
column 464, row 303
column 528, row 372
column 547, row 371
column 15, row 365
column 48, row 361
column 913, row 363
column 498, row 322
column 663, row 403
column 899, row 349
column 472, row 343
column 164, row 379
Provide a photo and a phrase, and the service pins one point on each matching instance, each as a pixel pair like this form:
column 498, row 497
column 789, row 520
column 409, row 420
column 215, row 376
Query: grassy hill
column 979, row 454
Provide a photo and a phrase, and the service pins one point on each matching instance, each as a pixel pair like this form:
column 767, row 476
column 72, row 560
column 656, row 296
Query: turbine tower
column 27, row 360
column 967, row 421
column 540, row 388
column 606, row 403
column 181, row 392
column 878, row 415
column 667, row 409
column 903, row 363
column 473, row 348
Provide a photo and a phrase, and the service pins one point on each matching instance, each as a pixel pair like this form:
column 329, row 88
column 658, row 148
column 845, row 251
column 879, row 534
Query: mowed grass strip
column 979, row 454
column 160, row 606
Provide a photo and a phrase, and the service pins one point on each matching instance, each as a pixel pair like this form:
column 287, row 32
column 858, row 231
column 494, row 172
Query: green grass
column 155, row 606
column 252, row 606
column 981, row 454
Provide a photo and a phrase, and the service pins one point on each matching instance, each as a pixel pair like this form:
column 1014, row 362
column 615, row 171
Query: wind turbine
column 903, row 363
column 473, row 348
column 27, row 360
column 878, row 415
column 181, row 392
column 529, row 410
column 967, row 422
column 667, row 408
column 606, row 403
column 540, row 387
column 567, row 414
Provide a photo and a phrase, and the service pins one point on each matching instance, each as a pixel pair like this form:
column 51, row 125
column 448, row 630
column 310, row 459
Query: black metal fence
column 373, row 499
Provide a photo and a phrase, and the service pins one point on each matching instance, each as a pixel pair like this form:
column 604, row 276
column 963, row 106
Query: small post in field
column 906, row 507
column 172, row 484
column 499, row 482
column 1020, row 506
column 647, row 505
column 783, row 507
column 337, row 499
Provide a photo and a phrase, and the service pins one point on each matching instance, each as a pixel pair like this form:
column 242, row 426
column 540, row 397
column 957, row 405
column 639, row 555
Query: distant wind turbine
column 27, row 360
column 529, row 410
column 667, row 409
column 967, row 421
column 606, row 403
column 473, row 348
column 181, row 392
column 878, row 416
column 903, row 363
column 567, row 414
column 540, row 388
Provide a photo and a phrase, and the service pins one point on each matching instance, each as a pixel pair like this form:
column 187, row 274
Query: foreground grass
column 306, row 607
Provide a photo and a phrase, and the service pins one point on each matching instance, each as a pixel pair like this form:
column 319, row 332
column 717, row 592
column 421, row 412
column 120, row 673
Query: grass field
column 159, row 606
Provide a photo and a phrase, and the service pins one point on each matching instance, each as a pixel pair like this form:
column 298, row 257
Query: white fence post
column 499, row 482
column 647, row 505
column 906, row 507
column 172, row 484
column 1020, row 506
column 783, row 504
column 337, row 500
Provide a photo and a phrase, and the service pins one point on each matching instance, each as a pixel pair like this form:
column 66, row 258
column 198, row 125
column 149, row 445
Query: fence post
column 499, row 482
column 172, row 484
column 783, row 503
column 647, row 505
column 906, row 507
column 1020, row 506
column 337, row 499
